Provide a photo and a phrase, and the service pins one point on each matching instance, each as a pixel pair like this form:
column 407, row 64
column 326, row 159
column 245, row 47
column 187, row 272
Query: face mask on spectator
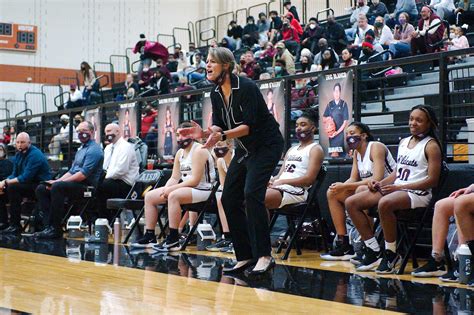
column 110, row 138
column 402, row 21
column 221, row 151
column 278, row 69
column 378, row 24
column 84, row 137
column 2, row 154
column 366, row 51
column 323, row 47
column 360, row 3
column 64, row 122
column 312, row 26
column 183, row 144
column 303, row 135
column 76, row 122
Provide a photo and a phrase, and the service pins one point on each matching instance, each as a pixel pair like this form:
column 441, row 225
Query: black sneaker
column 389, row 262
column 192, row 240
column 341, row 251
column 357, row 259
column 168, row 246
column 432, row 268
column 370, row 260
column 451, row 275
column 229, row 249
column 12, row 229
column 147, row 241
column 217, row 247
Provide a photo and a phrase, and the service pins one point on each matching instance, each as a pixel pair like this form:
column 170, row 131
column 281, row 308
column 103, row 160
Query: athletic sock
column 173, row 236
column 344, row 239
column 227, row 236
column 438, row 257
column 150, row 232
column 391, row 246
column 372, row 244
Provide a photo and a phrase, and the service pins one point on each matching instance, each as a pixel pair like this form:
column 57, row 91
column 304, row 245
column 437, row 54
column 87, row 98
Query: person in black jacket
column 336, row 35
column 311, row 35
column 275, row 26
column 377, row 8
column 235, row 31
column 250, row 33
column 240, row 113
column 291, row 9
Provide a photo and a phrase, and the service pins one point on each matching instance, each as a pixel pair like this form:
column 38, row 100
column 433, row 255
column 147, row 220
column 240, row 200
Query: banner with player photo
column 335, row 112
column 168, row 121
column 128, row 120
column 274, row 95
column 94, row 116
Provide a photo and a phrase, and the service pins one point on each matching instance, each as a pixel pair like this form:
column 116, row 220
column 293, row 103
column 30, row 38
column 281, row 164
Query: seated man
column 75, row 97
column 190, row 182
column 423, row 38
column 85, row 171
column 30, row 167
column 300, row 166
column 121, row 167
column 61, row 138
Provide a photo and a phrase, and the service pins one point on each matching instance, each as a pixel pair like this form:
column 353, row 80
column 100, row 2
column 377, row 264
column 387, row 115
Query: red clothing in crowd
column 6, row 138
column 147, row 121
column 290, row 34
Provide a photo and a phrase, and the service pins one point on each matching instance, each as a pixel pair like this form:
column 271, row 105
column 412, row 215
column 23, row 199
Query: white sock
column 392, row 246
column 372, row 244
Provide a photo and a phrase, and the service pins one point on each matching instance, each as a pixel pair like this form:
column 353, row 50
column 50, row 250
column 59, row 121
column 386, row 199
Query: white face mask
column 312, row 26
column 2, row 154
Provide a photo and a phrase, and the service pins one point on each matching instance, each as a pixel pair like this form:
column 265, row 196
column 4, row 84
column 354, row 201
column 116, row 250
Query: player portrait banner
column 335, row 112
column 128, row 120
column 168, row 121
column 274, row 95
column 93, row 115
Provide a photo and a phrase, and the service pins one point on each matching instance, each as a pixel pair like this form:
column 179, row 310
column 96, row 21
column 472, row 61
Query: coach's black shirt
column 246, row 107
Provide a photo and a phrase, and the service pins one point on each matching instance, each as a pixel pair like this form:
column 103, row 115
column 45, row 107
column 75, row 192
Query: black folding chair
column 135, row 201
column 210, row 206
column 300, row 211
column 419, row 219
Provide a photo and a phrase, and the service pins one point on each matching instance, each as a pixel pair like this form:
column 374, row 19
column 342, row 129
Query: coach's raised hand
column 196, row 132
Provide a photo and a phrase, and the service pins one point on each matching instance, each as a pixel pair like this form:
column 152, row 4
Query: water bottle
column 465, row 264
column 117, row 231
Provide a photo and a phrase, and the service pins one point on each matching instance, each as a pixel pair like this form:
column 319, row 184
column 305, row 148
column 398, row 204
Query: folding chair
column 417, row 220
column 89, row 198
column 210, row 205
column 300, row 211
column 135, row 201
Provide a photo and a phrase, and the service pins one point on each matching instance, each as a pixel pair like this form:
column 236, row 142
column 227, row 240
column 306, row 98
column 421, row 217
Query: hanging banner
column 274, row 95
column 128, row 120
column 335, row 112
column 168, row 121
column 93, row 115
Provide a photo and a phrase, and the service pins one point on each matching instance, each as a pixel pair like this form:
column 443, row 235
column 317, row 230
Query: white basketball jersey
column 297, row 161
column 412, row 165
column 185, row 167
column 364, row 165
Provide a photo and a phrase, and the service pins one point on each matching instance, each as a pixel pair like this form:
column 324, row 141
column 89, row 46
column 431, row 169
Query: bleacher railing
column 382, row 101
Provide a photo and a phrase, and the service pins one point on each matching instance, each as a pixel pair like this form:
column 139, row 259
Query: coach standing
column 240, row 113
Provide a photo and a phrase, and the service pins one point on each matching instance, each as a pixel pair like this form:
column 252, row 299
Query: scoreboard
column 18, row 37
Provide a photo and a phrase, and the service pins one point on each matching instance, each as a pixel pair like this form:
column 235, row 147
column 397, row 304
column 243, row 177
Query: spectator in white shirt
column 121, row 167
column 361, row 8
column 363, row 27
column 383, row 34
column 61, row 138
column 442, row 7
column 458, row 40
column 75, row 97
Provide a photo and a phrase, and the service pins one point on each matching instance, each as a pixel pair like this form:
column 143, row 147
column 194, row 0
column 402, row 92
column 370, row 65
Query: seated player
column 371, row 161
column 300, row 167
column 444, row 209
column 190, row 182
column 418, row 168
column 224, row 152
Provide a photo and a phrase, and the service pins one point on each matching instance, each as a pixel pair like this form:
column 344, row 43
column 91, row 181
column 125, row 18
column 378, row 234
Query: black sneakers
column 341, row 252
column 168, row 246
column 217, row 247
column 147, row 241
column 370, row 260
column 432, row 268
column 389, row 262
column 451, row 275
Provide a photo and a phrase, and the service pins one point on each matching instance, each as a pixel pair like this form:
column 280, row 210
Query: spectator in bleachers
column 377, row 8
column 367, row 53
column 311, row 35
column 160, row 82
column 383, row 33
column 148, row 118
column 86, row 171
column 227, row 42
column 6, row 168
column 323, row 45
column 291, row 9
column 443, row 8
column 268, row 53
column 177, row 51
column 61, row 138
column 120, row 167
column 147, row 74
column 464, row 13
column 263, row 27
column 250, row 34
column 235, row 32
column 284, row 54
column 198, row 69
column 295, row 23
column 145, row 58
column 13, row 136
column 290, row 37
column 347, row 60
column 249, row 66
column 400, row 46
column 459, row 40
column 306, row 63
column 6, row 137
column 335, row 35
column 329, row 60
column 407, row 6
column 75, row 97
column 182, row 63
column 131, row 87
column 91, row 84
column 362, row 28
column 172, row 64
column 356, row 12
column 423, row 38
column 162, row 66
column 191, row 51
column 30, row 167
column 280, row 69
column 275, row 26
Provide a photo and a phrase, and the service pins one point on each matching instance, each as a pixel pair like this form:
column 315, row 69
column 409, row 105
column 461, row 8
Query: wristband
column 223, row 136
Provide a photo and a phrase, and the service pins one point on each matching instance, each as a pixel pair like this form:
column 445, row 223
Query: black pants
column 14, row 196
column 52, row 201
column 110, row 188
column 248, row 181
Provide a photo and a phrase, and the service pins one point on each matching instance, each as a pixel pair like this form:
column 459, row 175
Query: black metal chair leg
column 293, row 238
column 410, row 248
column 191, row 232
column 447, row 256
column 134, row 225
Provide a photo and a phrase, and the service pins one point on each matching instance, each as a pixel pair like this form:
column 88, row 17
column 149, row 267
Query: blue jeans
column 400, row 49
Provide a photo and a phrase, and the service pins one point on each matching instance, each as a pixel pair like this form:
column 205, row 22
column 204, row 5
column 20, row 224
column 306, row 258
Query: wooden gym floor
column 72, row 277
